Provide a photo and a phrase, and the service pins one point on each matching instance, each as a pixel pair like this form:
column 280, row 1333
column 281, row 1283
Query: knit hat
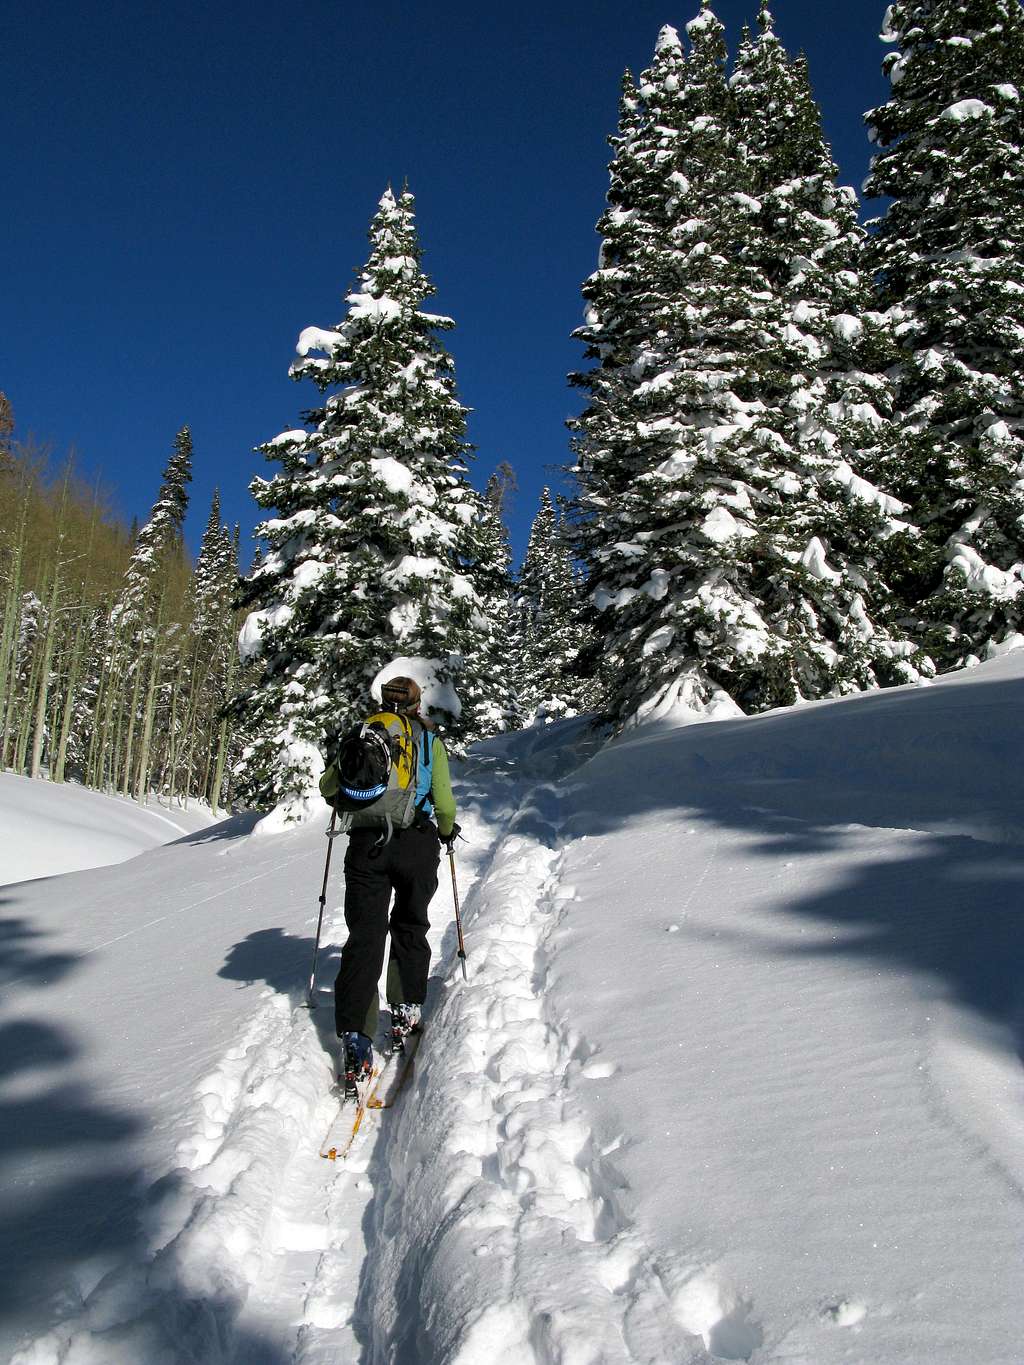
column 401, row 694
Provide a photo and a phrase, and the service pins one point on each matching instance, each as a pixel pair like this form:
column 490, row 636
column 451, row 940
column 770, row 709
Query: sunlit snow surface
column 736, row 1074
column 46, row 829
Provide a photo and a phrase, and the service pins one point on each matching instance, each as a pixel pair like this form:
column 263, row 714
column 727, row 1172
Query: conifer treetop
column 375, row 535
column 162, row 530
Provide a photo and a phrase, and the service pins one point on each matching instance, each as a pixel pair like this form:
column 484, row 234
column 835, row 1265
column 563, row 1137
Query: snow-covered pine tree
column 367, row 549
column 208, row 655
column 948, row 254
column 630, row 427
column 137, row 642
column 487, row 678
column 814, row 357
column 546, row 631
column 719, row 515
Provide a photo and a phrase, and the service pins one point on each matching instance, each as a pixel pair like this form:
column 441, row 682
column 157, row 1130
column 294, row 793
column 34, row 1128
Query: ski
column 387, row 1097
column 381, row 1090
column 364, row 1093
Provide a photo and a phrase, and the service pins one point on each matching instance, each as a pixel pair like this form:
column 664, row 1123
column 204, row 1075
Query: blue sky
column 189, row 185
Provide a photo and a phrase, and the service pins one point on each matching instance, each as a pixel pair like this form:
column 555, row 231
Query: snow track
column 495, row 1166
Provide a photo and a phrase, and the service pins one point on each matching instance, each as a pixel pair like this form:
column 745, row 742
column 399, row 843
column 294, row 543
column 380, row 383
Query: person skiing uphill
column 382, row 859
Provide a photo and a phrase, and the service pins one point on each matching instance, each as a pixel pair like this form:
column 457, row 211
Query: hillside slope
column 50, row 828
column 736, row 1074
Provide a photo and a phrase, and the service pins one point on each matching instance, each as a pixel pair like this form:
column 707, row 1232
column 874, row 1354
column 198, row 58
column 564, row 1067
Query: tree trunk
column 142, row 785
column 44, row 678
column 67, row 716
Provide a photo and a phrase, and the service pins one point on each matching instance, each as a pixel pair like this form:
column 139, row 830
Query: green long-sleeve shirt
column 441, row 796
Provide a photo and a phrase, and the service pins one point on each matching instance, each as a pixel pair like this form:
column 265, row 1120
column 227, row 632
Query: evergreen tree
column 489, row 567
column 948, row 255
column 208, row 651
column 729, row 542
column 138, row 643
column 159, row 540
column 367, row 555
column 546, row 629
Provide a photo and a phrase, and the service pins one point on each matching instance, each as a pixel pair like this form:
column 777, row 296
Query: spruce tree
column 729, row 542
column 487, row 679
column 137, row 634
column 367, row 553
column 546, row 630
column 948, row 255
column 815, row 356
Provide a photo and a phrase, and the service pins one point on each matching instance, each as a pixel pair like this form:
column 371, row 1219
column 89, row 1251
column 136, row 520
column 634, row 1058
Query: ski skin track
column 338, row 1196
column 258, row 1212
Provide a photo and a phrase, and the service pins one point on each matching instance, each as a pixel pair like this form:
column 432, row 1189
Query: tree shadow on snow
column 234, row 827
column 945, row 906
column 20, row 960
column 77, row 1227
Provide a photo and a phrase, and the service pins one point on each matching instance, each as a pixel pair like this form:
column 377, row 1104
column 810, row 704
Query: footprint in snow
column 846, row 1313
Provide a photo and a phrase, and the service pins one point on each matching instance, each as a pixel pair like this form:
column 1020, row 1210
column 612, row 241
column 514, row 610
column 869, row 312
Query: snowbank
column 49, row 828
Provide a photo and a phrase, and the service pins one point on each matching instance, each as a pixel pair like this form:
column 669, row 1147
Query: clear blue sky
column 189, row 185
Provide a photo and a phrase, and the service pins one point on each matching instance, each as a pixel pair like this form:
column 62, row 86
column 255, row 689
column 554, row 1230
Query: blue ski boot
column 358, row 1061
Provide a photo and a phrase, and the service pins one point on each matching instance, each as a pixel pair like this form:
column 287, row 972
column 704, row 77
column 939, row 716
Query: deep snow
column 49, row 829
column 736, row 1075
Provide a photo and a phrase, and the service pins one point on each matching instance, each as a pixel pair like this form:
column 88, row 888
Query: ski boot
column 357, row 1062
column 405, row 1019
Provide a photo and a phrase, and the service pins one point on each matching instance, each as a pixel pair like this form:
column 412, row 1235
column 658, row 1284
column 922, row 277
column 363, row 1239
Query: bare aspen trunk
column 222, row 741
column 25, row 724
column 9, row 644
column 142, row 785
column 44, row 679
column 108, row 706
column 126, row 771
column 57, row 768
column 172, row 744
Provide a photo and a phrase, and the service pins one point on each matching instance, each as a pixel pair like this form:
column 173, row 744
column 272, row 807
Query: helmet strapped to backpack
column 363, row 767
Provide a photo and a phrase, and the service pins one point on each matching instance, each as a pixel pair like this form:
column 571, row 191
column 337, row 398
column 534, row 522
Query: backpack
column 373, row 781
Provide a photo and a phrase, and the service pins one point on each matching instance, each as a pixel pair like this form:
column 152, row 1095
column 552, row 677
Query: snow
column 250, row 637
column 438, row 694
column 720, row 526
column 50, row 828
column 985, row 578
column 846, row 327
column 311, row 339
column 814, row 561
column 966, row 109
column 394, row 475
column 382, row 309
column 668, row 40
column 735, row 1076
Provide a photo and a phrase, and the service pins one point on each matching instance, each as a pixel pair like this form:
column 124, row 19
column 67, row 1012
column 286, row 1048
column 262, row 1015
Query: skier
column 378, row 862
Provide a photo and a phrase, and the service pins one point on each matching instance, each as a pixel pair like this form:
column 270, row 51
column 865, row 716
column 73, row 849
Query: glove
column 449, row 839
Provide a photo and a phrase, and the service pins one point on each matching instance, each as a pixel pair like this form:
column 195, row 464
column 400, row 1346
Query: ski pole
column 458, row 917
column 323, row 902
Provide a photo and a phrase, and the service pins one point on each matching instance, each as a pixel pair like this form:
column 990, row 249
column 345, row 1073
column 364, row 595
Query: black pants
column 407, row 865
